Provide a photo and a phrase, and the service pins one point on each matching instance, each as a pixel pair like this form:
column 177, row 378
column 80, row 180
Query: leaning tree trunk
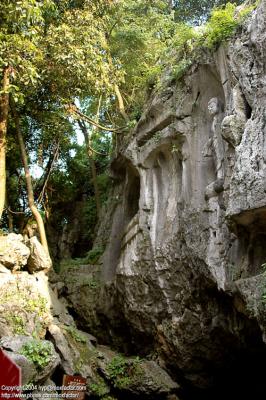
column 4, row 104
column 121, row 105
column 30, row 194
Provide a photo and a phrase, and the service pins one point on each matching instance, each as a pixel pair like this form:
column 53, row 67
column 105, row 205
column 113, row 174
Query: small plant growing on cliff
column 75, row 334
column 37, row 352
column 221, row 25
column 94, row 255
column 122, row 371
column 99, row 388
column 17, row 322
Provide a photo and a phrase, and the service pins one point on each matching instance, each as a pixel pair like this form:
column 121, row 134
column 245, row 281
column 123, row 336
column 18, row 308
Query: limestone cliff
column 185, row 228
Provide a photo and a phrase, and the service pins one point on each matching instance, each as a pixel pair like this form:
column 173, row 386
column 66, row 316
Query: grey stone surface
column 46, row 391
column 142, row 378
column 25, row 304
column 38, row 260
column 30, row 372
column 185, row 226
column 13, row 252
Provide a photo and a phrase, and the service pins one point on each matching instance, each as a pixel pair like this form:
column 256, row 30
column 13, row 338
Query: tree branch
column 72, row 109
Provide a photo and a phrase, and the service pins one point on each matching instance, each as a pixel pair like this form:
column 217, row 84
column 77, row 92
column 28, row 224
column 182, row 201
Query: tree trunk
column 121, row 105
column 9, row 216
column 30, row 194
column 118, row 94
column 92, row 165
column 4, row 104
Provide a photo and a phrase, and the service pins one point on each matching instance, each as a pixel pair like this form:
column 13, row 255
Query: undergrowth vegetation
column 122, row 372
column 188, row 42
column 38, row 352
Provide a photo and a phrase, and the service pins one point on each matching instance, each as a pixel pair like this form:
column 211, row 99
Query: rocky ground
column 39, row 334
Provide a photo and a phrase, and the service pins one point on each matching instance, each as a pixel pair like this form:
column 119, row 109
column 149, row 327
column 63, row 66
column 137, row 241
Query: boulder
column 37, row 358
column 13, row 252
column 38, row 260
column 4, row 270
column 142, row 378
column 75, row 349
column 47, row 391
column 25, row 304
column 28, row 370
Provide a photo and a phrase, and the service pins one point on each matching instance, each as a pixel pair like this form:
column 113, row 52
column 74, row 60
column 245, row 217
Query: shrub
column 122, row 371
column 94, row 255
column 99, row 388
column 38, row 352
column 221, row 25
column 75, row 334
column 187, row 41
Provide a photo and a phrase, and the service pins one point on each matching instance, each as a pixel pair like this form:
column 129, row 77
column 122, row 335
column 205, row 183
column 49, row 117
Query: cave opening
column 249, row 251
column 243, row 378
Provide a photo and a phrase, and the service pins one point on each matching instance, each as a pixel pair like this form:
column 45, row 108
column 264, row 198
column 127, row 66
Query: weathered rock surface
column 13, row 252
column 46, row 391
column 134, row 376
column 17, row 253
column 189, row 199
column 38, row 259
column 25, row 304
column 30, row 311
column 32, row 371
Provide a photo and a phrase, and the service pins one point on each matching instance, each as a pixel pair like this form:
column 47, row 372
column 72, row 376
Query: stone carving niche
column 164, row 194
column 132, row 197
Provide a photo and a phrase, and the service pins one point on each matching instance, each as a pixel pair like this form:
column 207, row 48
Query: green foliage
column 75, row 334
column 92, row 283
column 18, row 305
column 122, row 371
column 187, row 41
column 99, row 388
column 180, row 69
column 77, row 52
column 21, row 27
column 196, row 12
column 17, row 323
column 71, row 264
column 38, row 352
column 221, row 25
column 109, row 398
column 94, row 255
column 141, row 32
column 246, row 11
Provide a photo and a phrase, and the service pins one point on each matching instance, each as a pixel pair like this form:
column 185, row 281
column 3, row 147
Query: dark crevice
column 132, row 200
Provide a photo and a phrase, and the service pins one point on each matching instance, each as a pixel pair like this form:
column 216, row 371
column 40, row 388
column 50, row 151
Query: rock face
column 37, row 358
column 17, row 254
column 13, row 252
column 39, row 334
column 189, row 199
column 38, row 259
column 25, row 304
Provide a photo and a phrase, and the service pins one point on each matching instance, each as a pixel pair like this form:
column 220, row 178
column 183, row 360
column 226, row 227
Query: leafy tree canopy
column 196, row 12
